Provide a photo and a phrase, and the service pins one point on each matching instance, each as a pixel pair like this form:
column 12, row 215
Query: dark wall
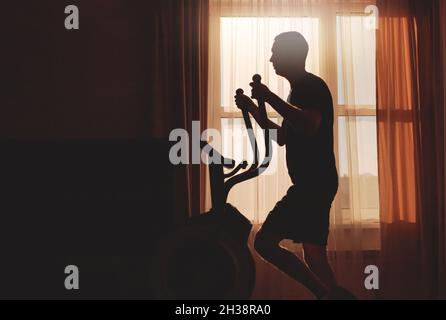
column 89, row 83
column 115, row 197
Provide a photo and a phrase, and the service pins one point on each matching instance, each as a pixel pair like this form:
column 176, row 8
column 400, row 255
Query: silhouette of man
column 302, row 215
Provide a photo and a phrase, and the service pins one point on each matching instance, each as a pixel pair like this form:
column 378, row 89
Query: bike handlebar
column 255, row 169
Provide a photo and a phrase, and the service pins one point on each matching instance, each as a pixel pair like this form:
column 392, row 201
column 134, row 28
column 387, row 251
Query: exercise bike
column 208, row 257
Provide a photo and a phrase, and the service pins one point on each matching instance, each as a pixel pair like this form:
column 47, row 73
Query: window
column 342, row 52
column 356, row 120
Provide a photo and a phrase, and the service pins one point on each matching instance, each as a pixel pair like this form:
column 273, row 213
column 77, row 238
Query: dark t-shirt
column 310, row 158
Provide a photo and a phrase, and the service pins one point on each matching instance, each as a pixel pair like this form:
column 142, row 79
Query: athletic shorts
column 301, row 216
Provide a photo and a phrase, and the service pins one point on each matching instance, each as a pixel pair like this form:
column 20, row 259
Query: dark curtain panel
column 410, row 84
column 180, row 71
column 430, row 129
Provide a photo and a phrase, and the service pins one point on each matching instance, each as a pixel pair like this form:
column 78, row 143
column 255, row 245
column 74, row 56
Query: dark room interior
column 87, row 125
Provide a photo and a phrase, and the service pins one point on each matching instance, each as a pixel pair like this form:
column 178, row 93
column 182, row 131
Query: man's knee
column 265, row 244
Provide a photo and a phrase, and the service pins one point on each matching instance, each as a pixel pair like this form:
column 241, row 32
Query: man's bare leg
column 316, row 259
column 268, row 247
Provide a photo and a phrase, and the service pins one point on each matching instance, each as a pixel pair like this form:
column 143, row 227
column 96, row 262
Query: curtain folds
column 410, row 80
column 180, row 80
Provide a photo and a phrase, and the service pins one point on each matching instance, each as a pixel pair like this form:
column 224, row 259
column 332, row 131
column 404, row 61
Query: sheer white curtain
column 341, row 48
column 355, row 234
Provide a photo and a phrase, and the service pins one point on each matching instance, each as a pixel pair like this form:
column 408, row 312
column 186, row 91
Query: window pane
column 358, row 167
column 344, row 190
column 246, row 50
column 356, row 51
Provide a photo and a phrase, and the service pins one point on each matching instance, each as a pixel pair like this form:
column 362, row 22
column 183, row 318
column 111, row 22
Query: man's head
column 289, row 53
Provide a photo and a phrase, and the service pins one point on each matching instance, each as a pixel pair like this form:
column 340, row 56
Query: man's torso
column 310, row 159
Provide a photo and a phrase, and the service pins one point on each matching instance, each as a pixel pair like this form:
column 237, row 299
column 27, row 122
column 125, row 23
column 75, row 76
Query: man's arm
column 281, row 132
column 309, row 120
column 244, row 101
